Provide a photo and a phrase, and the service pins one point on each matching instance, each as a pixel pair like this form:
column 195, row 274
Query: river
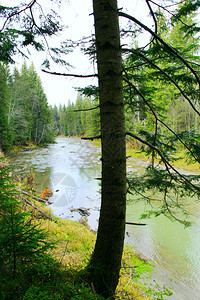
column 71, row 168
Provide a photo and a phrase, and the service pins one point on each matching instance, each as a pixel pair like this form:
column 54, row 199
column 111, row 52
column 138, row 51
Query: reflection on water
column 71, row 167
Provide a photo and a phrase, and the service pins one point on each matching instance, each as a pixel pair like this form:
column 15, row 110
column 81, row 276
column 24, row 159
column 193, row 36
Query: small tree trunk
column 41, row 134
column 105, row 264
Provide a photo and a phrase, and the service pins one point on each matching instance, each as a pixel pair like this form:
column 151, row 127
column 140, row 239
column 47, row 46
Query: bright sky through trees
column 77, row 16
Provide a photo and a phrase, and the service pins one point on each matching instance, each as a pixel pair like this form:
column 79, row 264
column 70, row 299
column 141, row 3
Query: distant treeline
column 77, row 118
column 81, row 119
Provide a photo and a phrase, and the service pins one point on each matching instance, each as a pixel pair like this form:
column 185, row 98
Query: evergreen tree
column 55, row 119
column 3, row 107
column 21, row 242
column 166, row 65
column 62, row 120
column 78, row 114
column 164, row 78
column 105, row 263
column 153, row 75
column 77, row 119
column 41, row 130
column 29, row 115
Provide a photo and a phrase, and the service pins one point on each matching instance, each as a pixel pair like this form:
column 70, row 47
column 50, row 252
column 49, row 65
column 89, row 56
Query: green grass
column 182, row 161
column 74, row 246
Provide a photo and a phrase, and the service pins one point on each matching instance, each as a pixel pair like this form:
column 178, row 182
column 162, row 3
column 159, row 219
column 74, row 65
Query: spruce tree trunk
column 106, row 260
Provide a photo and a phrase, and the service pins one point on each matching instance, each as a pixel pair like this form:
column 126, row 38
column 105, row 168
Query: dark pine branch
column 18, row 12
column 168, row 47
column 153, row 16
column 168, row 11
column 154, row 114
column 164, row 73
column 164, row 160
column 87, row 109
column 160, row 121
column 180, row 140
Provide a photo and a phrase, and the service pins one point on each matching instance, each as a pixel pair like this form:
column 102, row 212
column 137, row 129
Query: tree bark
column 105, row 263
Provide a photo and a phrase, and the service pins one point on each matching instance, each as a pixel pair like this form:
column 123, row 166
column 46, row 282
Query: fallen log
column 34, row 197
column 81, row 210
column 36, row 208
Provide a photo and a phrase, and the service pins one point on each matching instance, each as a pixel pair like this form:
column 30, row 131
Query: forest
column 147, row 95
column 25, row 114
column 81, row 119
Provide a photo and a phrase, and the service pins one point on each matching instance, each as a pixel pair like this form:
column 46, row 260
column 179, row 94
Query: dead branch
column 69, row 75
column 34, row 197
column 137, row 224
column 36, row 208
column 91, row 138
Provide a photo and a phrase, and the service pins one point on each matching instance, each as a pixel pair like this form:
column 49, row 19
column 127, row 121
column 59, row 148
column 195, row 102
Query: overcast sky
column 77, row 16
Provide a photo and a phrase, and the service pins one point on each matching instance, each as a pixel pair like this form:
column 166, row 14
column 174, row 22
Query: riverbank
column 71, row 168
column 165, row 242
column 74, row 245
column 61, row 273
column 19, row 147
column 181, row 161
